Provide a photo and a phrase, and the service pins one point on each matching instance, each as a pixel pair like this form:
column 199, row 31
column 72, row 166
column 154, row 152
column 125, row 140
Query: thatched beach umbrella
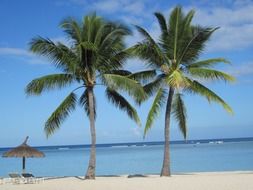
column 24, row 151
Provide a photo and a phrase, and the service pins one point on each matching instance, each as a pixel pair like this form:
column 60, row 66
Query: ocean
column 138, row 158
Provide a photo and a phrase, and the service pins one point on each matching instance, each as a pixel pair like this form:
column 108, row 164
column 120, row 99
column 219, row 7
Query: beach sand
column 190, row 181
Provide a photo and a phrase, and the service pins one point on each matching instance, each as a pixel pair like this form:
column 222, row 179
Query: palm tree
column 175, row 58
column 94, row 57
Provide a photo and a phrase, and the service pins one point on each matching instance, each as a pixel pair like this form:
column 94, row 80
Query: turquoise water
column 227, row 156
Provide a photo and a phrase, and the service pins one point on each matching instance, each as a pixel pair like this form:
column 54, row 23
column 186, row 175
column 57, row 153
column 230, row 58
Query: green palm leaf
column 175, row 18
column 143, row 76
column 195, row 43
column 60, row 114
column 122, row 104
column 89, row 46
column 73, row 29
column 148, row 49
column 145, row 34
column 196, row 87
column 61, row 55
column 210, row 74
column 108, row 63
column 121, row 72
column 162, row 24
column 157, row 104
column 92, row 28
column 49, row 82
column 207, row 63
column 179, row 113
column 153, row 86
column 132, row 87
column 114, row 32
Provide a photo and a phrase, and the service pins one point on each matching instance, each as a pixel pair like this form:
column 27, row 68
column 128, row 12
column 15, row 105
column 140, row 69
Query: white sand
column 191, row 181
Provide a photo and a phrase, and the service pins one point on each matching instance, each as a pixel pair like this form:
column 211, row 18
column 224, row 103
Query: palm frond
column 184, row 32
column 121, row 72
column 174, row 28
column 148, row 52
column 60, row 55
column 132, row 87
column 153, row 86
column 110, row 62
column 210, row 74
column 89, row 46
column 113, row 33
column 157, row 104
column 143, row 76
column 60, row 114
column 179, row 113
column 162, row 24
column 195, row 43
column 196, row 87
column 148, row 49
column 145, row 34
column 119, row 101
column 207, row 63
column 49, row 82
column 73, row 29
column 188, row 19
column 92, row 28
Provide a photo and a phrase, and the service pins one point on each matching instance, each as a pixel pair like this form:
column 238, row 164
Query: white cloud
column 25, row 55
column 28, row 57
column 37, row 61
column 129, row 11
column 242, row 2
column 243, row 73
column 235, row 22
column 223, row 16
column 232, row 38
column 241, row 70
column 131, row 19
column 107, row 6
column 236, row 26
column 14, row 51
column 136, row 7
column 233, row 16
column 127, row 6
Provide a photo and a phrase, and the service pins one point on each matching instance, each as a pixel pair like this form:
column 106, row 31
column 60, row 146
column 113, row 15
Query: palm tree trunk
column 166, row 159
column 90, row 174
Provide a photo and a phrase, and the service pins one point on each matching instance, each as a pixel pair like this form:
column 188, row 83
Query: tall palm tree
column 175, row 58
column 94, row 57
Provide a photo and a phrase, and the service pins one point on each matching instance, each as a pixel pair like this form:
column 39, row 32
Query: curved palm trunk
column 90, row 174
column 166, row 159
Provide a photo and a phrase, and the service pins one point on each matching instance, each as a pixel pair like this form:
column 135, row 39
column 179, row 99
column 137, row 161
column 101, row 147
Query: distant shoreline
column 150, row 143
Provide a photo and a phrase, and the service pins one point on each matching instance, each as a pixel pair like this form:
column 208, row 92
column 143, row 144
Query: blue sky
column 21, row 116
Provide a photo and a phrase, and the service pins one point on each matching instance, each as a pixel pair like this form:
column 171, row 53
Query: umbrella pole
column 23, row 165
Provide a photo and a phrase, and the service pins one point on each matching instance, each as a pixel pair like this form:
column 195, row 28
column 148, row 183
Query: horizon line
column 187, row 141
